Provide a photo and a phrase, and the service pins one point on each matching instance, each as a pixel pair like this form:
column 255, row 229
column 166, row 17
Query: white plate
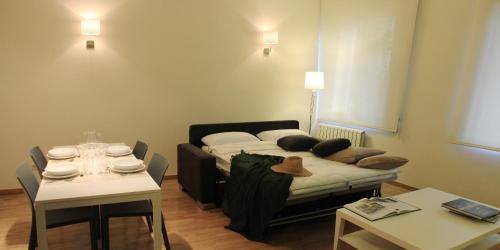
column 58, row 153
column 118, row 155
column 46, row 175
column 62, row 158
column 118, row 149
column 129, row 171
column 62, row 169
column 127, row 164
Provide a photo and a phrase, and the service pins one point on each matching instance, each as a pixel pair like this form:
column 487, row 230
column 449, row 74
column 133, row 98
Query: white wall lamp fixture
column 314, row 81
column 269, row 38
column 90, row 27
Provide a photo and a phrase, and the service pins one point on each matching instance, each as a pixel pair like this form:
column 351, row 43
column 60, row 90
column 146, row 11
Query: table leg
column 157, row 236
column 339, row 230
column 41, row 227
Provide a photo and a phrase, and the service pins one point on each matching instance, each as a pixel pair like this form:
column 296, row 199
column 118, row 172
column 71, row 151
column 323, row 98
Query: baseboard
column 170, row 177
column 11, row 191
column 401, row 185
column 20, row 190
column 174, row 176
column 205, row 206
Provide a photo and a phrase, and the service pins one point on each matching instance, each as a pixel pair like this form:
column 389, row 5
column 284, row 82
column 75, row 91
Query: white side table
column 433, row 227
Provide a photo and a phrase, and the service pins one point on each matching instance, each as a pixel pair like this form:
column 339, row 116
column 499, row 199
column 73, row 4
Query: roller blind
column 365, row 53
column 477, row 120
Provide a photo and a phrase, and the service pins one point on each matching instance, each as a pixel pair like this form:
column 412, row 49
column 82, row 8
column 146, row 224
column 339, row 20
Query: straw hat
column 291, row 165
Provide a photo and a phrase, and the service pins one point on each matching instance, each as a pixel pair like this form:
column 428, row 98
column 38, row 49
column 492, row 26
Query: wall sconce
column 269, row 38
column 90, row 27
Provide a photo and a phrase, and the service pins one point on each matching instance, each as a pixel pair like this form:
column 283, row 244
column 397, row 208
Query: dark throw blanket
column 254, row 193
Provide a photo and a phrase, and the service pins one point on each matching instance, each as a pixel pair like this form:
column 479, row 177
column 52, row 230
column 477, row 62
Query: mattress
column 326, row 175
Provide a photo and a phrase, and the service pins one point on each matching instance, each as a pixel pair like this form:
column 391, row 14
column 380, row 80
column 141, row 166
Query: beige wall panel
column 158, row 67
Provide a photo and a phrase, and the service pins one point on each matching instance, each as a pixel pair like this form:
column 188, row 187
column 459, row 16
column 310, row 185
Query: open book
column 378, row 208
column 473, row 209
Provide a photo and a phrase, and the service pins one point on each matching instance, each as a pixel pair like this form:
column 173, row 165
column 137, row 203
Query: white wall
column 158, row 67
column 162, row 65
column 440, row 40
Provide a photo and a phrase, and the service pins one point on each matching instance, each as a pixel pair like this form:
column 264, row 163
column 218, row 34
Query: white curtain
column 478, row 107
column 365, row 52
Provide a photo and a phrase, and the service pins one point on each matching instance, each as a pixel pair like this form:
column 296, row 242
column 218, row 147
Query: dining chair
column 156, row 168
column 57, row 217
column 140, row 150
column 38, row 158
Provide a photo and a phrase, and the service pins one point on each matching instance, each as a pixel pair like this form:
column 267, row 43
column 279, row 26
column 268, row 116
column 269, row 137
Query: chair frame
column 105, row 215
column 140, row 150
column 36, row 152
column 93, row 219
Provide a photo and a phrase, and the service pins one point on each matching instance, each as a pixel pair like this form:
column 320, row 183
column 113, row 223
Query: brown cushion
column 329, row 147
column 354, row 154
column 297, row 142
column 382, row 162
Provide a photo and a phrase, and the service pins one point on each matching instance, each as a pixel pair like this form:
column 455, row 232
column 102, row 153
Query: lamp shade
column 315, row 80
column 270, row 37
column 90, row 27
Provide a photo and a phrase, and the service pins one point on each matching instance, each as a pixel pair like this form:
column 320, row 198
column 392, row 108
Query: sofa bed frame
column 199, row 176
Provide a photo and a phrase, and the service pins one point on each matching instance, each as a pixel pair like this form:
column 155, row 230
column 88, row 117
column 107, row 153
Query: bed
column 328, row 176
column 202, row 172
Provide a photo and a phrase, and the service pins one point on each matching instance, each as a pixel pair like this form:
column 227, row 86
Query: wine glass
column 90, row 136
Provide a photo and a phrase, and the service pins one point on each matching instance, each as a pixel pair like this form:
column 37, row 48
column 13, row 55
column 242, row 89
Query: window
column 478, row 113
column 365, row 52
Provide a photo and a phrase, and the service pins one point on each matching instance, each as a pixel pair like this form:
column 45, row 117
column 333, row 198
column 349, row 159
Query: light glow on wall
column 270, row 37
column 90, row 27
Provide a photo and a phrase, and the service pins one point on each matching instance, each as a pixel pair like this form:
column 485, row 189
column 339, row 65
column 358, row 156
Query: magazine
column 472, row 209
column 377, row 208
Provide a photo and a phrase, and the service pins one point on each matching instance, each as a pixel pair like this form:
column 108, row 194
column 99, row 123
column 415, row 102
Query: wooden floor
column 188, row 227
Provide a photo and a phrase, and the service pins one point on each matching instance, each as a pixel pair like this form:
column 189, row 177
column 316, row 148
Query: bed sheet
column 326, row 174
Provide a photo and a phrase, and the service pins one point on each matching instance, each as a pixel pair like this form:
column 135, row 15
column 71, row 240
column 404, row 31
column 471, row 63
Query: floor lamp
column 314, row 81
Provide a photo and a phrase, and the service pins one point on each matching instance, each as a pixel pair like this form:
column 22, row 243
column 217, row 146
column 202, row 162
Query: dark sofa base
column 309, row 207
column 322, row 207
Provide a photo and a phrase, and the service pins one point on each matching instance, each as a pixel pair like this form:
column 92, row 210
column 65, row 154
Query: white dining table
column 96, row 189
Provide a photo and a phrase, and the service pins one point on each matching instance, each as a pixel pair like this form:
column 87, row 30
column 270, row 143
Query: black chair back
column 38, row 158
column 28, row 181
column 140, row 150
column 157, row 168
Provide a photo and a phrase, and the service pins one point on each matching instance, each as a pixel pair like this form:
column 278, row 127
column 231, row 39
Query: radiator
column 327, row 131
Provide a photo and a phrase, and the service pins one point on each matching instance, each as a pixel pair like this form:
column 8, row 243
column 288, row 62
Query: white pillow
column 228, row 137
column 275, row 135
